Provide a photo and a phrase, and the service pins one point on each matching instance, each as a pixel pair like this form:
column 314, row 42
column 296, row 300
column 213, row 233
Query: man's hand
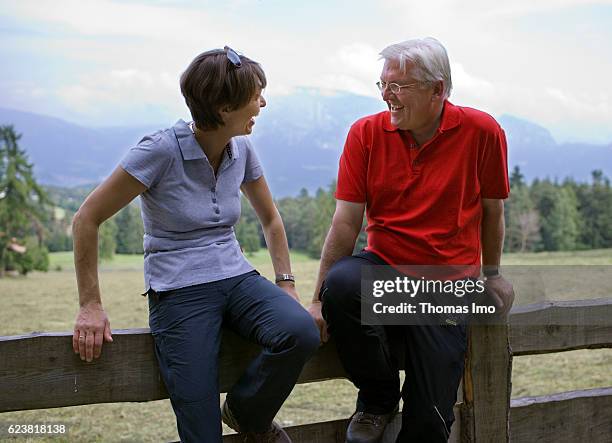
column 315, row 311
column 502, row 293
column 91, row 328
column 289, row 288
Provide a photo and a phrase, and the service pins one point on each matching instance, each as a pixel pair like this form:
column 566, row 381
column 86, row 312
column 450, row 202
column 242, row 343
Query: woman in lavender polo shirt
column 189, row 179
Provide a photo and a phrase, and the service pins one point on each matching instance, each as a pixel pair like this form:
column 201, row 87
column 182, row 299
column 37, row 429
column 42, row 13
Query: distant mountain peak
column 526, row 132
column 299, row 138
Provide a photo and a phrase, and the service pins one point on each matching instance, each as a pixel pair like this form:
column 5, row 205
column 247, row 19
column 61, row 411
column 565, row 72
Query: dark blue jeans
column 371, row 356
column 186, row 325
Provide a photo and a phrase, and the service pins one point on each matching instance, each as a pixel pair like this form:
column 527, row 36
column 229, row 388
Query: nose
column 262, row 101
column 386, row 93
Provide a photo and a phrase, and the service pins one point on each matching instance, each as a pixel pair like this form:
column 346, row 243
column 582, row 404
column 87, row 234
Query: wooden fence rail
column 39, row 371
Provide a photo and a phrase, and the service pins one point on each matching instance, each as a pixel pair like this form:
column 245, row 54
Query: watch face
column 284, row 277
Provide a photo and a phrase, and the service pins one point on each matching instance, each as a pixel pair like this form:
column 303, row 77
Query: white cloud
column 108, row 18
column 129, row 55
column 127, row 93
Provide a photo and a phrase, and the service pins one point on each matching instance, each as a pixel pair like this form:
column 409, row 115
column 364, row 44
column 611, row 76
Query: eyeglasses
column 395, row 88
column 232, row 56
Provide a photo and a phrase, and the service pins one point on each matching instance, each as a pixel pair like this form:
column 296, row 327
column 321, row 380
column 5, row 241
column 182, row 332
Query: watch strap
column 284, row 277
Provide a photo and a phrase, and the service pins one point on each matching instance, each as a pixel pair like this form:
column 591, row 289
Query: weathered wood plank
column 41, row 371
column 487, row 385
column 563, row 418
column 561, row 326
column 324, row 432
column 335, row 431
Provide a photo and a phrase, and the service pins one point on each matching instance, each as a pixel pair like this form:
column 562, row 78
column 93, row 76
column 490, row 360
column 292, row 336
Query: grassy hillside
column 48, row 302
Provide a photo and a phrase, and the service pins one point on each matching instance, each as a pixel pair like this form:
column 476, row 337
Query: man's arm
column 492, row 239
column 339, row 243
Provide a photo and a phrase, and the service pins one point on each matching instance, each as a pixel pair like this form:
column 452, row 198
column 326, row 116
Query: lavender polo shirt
column 188, row 213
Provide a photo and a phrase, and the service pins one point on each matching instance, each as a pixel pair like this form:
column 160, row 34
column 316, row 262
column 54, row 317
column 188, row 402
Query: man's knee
column 342, row 285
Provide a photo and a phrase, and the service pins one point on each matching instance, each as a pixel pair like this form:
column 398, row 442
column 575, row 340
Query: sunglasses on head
column 232, row 56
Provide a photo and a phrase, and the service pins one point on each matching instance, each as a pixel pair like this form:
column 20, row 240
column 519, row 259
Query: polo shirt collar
column 451, row 118
column 190, row 148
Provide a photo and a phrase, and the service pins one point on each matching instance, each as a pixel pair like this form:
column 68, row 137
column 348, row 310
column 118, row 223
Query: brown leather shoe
column 366, row 427
column 275, row 434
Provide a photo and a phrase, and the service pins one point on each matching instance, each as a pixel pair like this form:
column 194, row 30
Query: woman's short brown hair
column 212, row 81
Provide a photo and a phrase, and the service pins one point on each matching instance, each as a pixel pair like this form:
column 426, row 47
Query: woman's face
column 240, row 121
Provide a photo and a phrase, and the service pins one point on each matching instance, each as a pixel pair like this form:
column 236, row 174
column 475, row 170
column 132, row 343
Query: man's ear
column 438, row 90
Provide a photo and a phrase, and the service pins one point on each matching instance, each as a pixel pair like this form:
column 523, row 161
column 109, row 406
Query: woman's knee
column 300, row 334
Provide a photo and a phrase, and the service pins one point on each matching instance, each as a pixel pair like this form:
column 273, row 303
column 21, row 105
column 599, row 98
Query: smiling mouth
column 395, row 107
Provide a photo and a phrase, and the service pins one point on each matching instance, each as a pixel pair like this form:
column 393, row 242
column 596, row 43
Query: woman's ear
column 224, row 111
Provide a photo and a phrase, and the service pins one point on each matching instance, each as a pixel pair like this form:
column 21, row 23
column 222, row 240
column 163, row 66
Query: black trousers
column 371, row 355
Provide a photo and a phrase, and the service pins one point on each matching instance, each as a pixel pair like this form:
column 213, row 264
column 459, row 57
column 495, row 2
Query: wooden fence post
column 487, row 385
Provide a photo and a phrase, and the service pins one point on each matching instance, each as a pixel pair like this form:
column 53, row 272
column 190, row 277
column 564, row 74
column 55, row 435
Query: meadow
column 48, row 302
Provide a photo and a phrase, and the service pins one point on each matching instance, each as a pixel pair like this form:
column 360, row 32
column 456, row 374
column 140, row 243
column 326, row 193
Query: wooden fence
column 39, row 371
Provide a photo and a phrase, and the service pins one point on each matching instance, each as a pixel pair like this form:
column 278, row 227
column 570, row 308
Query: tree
column 544, row 196
column 517, row 179
column 247, row 229
column 106, row 240
column 130, row 230
column 595, row 207
column 248, row 237
column 325, row 207
column 298, row 216
column 22, row 201
column 563, row 221
column 522, row 220
column 35, row 257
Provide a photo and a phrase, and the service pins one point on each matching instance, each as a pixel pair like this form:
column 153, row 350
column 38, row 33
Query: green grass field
column 48, row 302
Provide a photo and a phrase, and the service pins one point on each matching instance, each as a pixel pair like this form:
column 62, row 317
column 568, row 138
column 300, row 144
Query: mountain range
column 299, row 138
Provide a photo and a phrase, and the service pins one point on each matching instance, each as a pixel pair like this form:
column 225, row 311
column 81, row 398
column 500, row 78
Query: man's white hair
column 429, row 58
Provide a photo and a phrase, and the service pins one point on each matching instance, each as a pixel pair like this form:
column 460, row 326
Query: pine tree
column 22, row 202
column 595, row 207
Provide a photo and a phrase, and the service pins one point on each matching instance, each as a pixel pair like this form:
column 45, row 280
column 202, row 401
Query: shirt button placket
column 215, row 206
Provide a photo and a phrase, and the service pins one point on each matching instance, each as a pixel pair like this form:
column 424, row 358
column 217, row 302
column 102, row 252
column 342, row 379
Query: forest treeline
column 544, row 215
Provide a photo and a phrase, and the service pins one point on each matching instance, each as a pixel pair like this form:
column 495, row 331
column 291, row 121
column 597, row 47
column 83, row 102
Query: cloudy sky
column 104, row 62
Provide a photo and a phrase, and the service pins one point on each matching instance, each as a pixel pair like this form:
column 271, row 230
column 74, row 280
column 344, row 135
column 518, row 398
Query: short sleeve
column 252, row 167
column 493, row 167
column 148, row 161
column 352, row 171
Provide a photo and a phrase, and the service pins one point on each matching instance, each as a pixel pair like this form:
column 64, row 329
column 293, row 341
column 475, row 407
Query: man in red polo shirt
column 432, row 178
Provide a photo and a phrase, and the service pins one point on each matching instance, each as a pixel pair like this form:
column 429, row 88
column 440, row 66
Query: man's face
column 413, row 108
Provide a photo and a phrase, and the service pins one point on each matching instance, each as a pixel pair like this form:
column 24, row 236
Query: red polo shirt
column 423, row 205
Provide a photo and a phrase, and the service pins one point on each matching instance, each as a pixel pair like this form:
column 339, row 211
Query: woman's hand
column 289, row 288
column 91, row 329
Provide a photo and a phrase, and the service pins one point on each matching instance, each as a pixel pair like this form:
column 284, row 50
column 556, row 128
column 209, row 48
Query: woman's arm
column 258, row 194
column 92, row 325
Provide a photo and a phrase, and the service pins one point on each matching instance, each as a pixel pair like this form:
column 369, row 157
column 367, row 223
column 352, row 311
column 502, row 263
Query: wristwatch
column 284, row 277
